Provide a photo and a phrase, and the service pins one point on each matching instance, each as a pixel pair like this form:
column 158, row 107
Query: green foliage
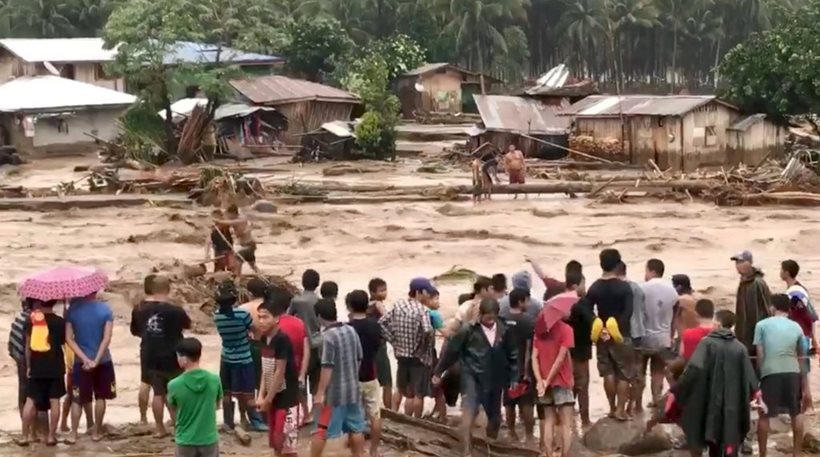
column 146, row 33
column 369, row 134
column 646, row 41
column 778, row 71
column 376, row 133
column 142, row 134
column 399, row 52
column 312, row 45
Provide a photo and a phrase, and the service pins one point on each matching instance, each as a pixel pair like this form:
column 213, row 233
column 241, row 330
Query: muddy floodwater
column 396, row 241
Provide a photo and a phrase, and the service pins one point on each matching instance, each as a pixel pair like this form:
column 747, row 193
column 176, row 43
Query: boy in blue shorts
column 338, row 399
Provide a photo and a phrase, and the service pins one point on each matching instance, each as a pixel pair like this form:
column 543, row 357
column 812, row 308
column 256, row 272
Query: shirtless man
column 685, row 315
column 221, row 241
column 242, row 229
column 515, row 166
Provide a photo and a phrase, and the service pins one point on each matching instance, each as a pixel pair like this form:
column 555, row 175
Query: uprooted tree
column 148, row 33
column 778, row 71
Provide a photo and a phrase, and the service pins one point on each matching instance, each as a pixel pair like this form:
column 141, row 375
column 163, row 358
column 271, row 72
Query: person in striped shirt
column 236, row 367
column 17, row 351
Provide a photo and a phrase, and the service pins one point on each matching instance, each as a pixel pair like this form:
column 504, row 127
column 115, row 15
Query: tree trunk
column 170, row 136
column 717, row 62
column 674, row 58
column 480, row 56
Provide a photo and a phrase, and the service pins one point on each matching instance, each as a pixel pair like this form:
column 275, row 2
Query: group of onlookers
column 505, row 352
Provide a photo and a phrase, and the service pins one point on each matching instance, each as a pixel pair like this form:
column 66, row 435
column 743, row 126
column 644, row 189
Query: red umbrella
column 63, row 282
column 555, row 309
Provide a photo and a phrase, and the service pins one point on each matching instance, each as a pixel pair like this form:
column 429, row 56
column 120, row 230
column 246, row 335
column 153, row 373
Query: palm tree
column 702, row 30
column 583, row 23
column 89, row 16
column 44, row 19
column 629, row 18
column 478, row 25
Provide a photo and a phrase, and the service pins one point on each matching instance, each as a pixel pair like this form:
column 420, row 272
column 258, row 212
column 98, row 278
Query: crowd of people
column 289, row 361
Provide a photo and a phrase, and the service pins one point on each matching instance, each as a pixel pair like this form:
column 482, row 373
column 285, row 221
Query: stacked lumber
column 605, row 148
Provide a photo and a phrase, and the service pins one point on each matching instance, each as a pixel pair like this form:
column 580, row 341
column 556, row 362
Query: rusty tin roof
column 639, row 105
column 504, row 113
column 279, row 90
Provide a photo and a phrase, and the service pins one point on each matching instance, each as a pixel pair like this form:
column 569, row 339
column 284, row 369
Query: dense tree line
column 641, row 41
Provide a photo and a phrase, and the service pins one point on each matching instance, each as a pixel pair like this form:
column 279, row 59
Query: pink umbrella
column 555, row 309
column 63, row 282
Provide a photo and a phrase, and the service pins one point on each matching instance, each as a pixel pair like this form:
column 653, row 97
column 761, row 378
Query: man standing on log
column 515, row 166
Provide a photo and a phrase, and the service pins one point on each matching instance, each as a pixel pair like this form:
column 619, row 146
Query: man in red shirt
column 552, row 367
column 293, row 327
column 690, row 338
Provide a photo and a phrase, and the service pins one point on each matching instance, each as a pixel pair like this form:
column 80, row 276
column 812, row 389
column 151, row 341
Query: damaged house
column 534, row 127
column 306, row 105
column 681, row 132
column 50, row 114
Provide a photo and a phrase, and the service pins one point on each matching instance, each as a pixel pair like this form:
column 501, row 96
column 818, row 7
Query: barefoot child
column 279, row 389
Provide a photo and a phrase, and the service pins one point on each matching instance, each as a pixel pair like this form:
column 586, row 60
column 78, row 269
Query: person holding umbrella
column 552, row 365
column 89, row 324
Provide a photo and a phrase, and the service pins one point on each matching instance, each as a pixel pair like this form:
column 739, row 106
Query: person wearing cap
column 522, row 280
column 488, row 355
column 408, row 329
column 753, row 299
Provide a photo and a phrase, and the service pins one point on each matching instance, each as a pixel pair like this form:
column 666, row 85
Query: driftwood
column 438, row 440
column 583, row 165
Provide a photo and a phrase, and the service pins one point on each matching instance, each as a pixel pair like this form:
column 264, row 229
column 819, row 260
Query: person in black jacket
column 489, row 364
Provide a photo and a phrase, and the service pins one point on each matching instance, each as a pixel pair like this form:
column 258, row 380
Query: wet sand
column 352, row 243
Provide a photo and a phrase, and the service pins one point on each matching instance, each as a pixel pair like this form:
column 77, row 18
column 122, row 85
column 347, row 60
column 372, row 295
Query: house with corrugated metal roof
column 533, row 127
column 84, row 59
column 441, row 88
column 681, row 132
column 50, row 114
column 306, row 105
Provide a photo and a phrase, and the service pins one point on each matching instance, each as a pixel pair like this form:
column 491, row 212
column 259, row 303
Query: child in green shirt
column 193, row 397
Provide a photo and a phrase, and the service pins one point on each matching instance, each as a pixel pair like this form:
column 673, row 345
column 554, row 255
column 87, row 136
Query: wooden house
column 681, row 132
column 442, row 88
column 306, row 105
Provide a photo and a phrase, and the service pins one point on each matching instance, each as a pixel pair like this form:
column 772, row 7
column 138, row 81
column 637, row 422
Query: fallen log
column 90, row 202
column 784, row 198
column 581, row 165
column 443, row 436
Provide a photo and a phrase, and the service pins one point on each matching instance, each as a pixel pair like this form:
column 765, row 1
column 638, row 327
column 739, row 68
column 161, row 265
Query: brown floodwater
column 397, row 241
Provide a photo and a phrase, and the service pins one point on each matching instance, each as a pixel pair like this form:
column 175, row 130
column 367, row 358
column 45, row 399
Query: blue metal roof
column 201, row 53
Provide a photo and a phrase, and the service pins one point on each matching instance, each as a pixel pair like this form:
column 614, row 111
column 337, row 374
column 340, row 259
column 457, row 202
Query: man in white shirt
column 660, row 298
